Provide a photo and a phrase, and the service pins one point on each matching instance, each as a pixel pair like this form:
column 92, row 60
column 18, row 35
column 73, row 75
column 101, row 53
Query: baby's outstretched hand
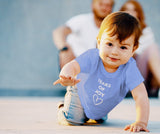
column 136, row 127
column 66, row 81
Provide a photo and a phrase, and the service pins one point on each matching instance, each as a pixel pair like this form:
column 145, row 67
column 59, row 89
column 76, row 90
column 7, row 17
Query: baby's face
column 114, row 53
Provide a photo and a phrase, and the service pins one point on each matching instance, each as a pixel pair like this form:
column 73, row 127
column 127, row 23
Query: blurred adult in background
column 79, row 33
column 147, row 55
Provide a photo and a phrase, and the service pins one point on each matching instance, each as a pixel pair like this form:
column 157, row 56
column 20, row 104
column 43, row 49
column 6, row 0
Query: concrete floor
column 38, row 116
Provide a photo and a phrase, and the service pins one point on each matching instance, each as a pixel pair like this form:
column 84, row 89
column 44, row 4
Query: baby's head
column 118, row 39
column 121, row 24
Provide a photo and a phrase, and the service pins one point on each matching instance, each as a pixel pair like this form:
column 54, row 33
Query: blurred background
column 28, row 57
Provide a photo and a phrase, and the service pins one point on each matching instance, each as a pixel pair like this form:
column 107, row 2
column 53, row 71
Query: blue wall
column 28, row 57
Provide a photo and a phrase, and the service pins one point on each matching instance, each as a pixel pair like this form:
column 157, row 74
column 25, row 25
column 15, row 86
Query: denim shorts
column 73, row 111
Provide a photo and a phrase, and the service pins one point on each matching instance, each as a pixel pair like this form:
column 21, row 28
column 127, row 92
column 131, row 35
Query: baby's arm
column 142, row 109
column 68, row 73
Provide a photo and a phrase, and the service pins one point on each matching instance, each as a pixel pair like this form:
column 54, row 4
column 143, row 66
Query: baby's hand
column 66, row 81
column 136, row 127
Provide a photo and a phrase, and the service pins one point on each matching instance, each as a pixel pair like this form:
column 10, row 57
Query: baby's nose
column 114, row 51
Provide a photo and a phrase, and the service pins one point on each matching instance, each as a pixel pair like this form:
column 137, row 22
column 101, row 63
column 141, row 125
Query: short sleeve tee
column 99, row 90
column 84, row 33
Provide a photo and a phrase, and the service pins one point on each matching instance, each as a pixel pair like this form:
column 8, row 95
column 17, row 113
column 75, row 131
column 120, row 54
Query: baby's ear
column 135, row 48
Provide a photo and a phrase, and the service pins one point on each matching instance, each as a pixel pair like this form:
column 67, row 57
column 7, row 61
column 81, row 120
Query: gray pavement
column 38, row 116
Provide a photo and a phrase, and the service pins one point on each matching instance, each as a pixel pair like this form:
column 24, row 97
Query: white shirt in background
column 84, row 33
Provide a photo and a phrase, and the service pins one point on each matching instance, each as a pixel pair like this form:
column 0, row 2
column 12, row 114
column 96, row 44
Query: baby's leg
column 72, row 111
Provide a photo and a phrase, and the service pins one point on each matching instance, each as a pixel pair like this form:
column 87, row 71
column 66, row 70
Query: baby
column 100, row 78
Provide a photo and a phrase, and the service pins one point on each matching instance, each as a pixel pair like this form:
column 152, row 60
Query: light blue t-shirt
column 100, row 91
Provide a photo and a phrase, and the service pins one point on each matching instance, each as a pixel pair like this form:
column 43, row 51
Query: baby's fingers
column 130, row 128
column 138, row 129
column 127, row 127
column 76, row 81
column 144, row 129
column 64, row 77
column 133, row 128
column 71, row 79
column 57, row 82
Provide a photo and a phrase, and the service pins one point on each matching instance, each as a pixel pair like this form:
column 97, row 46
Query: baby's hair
column 138, row 8
column 121, row 24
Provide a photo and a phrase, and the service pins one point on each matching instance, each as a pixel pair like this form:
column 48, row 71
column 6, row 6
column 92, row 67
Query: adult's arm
column 59, row 37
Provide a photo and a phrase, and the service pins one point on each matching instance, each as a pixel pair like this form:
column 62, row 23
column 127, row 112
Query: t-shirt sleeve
column 75, row 23
column 133, row 75
column 86, row 61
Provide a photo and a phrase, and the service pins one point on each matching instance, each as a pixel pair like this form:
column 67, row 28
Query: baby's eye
column 109, row 44
column 123, row 47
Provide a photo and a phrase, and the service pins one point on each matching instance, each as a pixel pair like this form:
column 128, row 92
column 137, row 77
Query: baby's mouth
column 113, row 59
